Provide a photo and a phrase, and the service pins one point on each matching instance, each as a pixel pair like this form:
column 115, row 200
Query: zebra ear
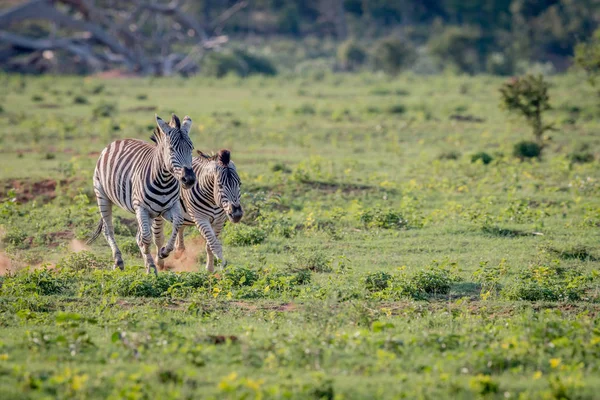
column 186, row 125
column 162, row 125
column 175, row 123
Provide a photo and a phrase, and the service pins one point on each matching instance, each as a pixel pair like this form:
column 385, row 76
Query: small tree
column 529, row 97
column 351, row 55
column 587, row 57
column 392, row 55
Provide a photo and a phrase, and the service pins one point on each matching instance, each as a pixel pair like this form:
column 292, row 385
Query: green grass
column 378, row 258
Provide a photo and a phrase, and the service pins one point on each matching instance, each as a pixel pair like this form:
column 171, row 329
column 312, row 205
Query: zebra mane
column 223, row 156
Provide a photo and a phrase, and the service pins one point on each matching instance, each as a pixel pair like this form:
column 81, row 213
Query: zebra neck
column 206, row 178
column 159, row 171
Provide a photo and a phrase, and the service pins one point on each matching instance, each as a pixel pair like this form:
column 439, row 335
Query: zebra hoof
column 119, row 264
column 163, row 253
column 152, row 268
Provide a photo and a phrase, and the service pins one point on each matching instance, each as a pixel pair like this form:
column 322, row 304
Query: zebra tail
column 96, row 232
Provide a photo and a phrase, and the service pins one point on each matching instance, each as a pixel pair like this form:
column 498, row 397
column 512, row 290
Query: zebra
column 213, row 199
column 145, row 179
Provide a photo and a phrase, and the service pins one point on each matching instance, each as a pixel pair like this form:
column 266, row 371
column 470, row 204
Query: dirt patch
column 6, row 264
column 115, row 74
column 77, row 245
column 188, row 260
column 27, row 190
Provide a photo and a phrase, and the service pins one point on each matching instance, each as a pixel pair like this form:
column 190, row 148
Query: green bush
column 528, row 96
column 458, row 46
column 392, row 55
column 383, row 218
column 104, row 110
column 16, row 238
column 83, row 260
column 239, row 62
column 582, row 155
column 587, row 57
column 351, row 55
column 483, row 156
column 449, row 155
column 377, row 281
column 80, row 100
column 526, row 149
column 241, row 276
column 432, row 281
column 396, row 109
column 243, row 235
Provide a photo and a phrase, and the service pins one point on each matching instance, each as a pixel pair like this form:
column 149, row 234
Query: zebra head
column 175, row 142
column 226, row 190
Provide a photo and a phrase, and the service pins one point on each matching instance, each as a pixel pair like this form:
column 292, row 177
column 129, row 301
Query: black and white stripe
column 212, row 200
column 145, row 179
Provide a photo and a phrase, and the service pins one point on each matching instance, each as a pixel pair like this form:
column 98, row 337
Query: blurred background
column 220, row 37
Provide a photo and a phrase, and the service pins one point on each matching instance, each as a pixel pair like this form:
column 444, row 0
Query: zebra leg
column 179, row 245
column 213, row 246
column 159, row 238
column 174, row 215
column 105, row 206
column 217, row 226
column 144, row 238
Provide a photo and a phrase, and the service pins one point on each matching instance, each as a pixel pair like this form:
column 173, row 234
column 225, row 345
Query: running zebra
column 144, row 179
column 213, row 199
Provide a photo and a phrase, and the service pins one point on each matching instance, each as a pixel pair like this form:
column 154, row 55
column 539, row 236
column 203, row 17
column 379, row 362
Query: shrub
column 237, row 62
column 526, row 149
column 80, row 100
column 104, row 110
column 306, row 109
column 483, row 156
column 37, row 98
column 458, row 46
column 449, row 155
column 396, row 109
column 528, row 96
column 83, row 260
column 547, row 283
column 432, row 281
column 241, row 276
column 582, row 155
column 377, row 281
column 351, row 55
column 392, row 55
column 280, row 167
column 17, row 238
column 587, row 57
column 500, row 64
column 314, row 261
column 243, row 235
column 386, row 219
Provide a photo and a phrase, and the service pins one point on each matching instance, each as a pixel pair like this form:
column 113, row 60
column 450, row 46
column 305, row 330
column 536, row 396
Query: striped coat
column 214, row 199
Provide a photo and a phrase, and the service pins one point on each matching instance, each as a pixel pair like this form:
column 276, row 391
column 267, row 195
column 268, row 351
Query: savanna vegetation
column 399, row 241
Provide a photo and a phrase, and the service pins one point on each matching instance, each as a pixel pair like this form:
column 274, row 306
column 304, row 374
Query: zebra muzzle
column 236, row 214
column 188, row 179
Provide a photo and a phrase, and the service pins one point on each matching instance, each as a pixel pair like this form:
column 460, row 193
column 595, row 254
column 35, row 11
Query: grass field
column 375, row 259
